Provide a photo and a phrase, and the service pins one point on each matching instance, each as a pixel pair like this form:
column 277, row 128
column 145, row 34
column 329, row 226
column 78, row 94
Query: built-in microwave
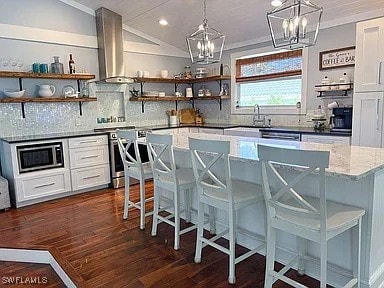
column 40, row 156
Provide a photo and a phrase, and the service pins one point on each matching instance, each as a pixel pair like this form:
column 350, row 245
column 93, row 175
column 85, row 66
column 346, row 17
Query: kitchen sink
column 243, row 131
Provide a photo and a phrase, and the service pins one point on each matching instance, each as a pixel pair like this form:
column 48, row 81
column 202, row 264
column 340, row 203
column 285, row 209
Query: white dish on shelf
column 13, row 93
column 69, row 92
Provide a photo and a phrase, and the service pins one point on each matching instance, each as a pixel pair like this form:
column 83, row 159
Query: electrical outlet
column 77, row 122
column 20, row 125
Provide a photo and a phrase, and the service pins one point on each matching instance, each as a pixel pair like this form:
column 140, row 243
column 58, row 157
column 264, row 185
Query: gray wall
column 331, row 38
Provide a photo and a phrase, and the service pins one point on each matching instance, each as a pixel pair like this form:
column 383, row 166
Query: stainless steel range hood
column 110, row 41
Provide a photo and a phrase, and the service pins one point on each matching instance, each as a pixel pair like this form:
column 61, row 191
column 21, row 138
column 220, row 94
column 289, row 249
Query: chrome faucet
column 258, row 120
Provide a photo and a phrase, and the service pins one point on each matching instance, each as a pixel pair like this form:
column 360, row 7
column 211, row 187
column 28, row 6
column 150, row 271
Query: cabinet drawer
column 90, row 177
column 36, row 187
column 211, row 131
column 89, row 141
column 341, row 140
column 85, row 157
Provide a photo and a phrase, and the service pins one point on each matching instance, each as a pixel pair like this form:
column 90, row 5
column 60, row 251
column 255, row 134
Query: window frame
column 270, row 110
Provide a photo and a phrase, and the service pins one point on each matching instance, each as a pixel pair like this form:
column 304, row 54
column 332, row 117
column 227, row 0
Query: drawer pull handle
column 90, row 177
column 89, row 156
column 87, row 141
column 44, row 185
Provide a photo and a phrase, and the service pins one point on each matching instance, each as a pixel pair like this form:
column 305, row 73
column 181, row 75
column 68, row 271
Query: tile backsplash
column 112, row 100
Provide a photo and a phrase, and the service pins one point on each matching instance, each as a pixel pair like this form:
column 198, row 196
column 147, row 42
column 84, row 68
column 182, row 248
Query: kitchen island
column 355, row 177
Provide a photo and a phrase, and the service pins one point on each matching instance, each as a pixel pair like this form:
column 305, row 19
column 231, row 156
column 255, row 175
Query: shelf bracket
column 142, row 92
column 22, row 110
column 176, row 102
column 142, row 106
column 78, row 87
column 220, row 84
column 81, row 108
column 21, row 83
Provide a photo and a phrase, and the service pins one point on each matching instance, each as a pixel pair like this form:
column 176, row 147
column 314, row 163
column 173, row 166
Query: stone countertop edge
column 53, row 136
column 288, row 129
column 285, row 129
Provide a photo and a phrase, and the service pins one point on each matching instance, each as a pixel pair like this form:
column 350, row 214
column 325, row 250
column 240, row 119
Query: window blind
column 270, row 66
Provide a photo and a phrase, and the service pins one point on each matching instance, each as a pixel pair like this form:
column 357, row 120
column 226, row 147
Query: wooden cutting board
column 187, row 116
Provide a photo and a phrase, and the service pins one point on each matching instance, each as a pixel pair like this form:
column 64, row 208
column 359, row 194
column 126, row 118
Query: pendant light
column 206, row 45
column 294, row 24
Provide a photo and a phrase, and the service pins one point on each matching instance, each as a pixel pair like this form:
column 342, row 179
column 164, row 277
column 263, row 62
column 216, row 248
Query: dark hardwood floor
column 90, row 236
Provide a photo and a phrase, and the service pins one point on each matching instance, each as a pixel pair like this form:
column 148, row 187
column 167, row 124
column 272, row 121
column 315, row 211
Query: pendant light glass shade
column 206, row 45
column 294, row 24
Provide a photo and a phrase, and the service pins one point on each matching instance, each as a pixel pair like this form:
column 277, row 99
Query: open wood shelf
column 143, row 100
column 182, row 81
column 13, row 74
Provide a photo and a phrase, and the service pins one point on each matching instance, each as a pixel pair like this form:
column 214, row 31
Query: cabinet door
column 367, row 119
column 89, row 177
column 340, row 140
column 43, row 185
column 369, row 56
column 211, row 131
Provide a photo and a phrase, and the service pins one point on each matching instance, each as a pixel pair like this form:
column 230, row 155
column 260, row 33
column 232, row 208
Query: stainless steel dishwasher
column 281, row 136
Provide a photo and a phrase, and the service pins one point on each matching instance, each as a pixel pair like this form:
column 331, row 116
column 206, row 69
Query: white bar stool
column 169, row 177
column 307, row 217
column 134, row 168
column 221, row 192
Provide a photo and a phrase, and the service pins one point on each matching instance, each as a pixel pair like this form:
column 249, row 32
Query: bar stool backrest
column 311, row 163
column 161, row 156
column 209, row 156
column 125, row 138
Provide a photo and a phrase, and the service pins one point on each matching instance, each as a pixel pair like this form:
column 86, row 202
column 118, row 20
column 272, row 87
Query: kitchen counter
column 352, row 162
column 286, row 129
column 355, row 177
column 29, row 138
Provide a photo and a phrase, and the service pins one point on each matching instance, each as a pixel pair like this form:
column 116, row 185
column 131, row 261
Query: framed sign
column 343, row 57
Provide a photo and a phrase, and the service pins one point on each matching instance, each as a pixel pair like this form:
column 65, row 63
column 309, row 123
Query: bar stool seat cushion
column 338, row 215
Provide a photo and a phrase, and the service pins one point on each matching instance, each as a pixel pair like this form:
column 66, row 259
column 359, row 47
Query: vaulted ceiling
column 240, row 20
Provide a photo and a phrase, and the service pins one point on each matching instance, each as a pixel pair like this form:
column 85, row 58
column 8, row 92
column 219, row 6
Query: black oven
column 40, row 156
column 117, row 166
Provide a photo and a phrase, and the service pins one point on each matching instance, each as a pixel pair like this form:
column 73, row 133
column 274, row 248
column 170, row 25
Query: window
column 273, row 80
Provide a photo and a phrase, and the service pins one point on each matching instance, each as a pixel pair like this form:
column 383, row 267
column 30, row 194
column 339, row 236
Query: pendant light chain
column 205, row 12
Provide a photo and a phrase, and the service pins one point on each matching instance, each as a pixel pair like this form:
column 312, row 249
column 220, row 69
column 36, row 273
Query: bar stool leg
column 323, row 261
column 356, row 241
column 142, row 204
column 156, row 204
column 212, row 219
column 302, row 250
column 126, row 197
column 232, row 243
column 177, row 219
column 188, row 203
column 200, row 231
column 270, row 262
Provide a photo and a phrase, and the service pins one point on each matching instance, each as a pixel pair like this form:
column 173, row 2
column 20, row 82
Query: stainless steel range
column 117, row 166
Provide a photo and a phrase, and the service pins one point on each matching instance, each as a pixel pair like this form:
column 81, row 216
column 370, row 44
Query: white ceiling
column 239, row 20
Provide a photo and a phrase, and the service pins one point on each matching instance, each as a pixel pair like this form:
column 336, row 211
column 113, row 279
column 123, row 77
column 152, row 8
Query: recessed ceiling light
column 163, row 22
column 276, row 3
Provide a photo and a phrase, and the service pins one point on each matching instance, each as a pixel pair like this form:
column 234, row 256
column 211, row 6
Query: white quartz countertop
column 353, row 162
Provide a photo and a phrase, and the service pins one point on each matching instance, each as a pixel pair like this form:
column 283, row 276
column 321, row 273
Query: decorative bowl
column 13, row 93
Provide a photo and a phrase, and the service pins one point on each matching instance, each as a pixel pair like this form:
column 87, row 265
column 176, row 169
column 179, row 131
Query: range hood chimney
column 109, row 28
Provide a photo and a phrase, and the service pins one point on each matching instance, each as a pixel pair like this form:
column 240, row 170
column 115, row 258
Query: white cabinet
column 369, row 56
column 367, row 125
column 326, row 139
column 89, row 162
column 42, row 185
column 211, row 130
column 84, row 178
column 243, row 131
